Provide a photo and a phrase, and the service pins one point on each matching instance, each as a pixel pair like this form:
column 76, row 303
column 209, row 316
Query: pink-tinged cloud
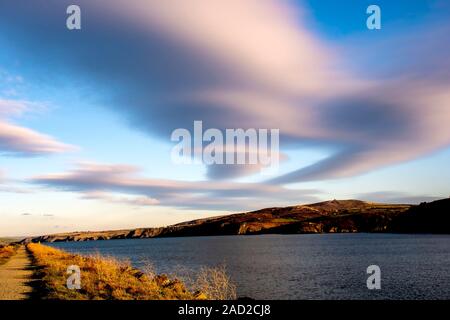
column 252, row 64
column 22, row 141
column 104, row 181
column 137, row 201
column 17, row 140
column 262, row 42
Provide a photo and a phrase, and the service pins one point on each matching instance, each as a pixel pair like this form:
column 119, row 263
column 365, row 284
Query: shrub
column 215, row 284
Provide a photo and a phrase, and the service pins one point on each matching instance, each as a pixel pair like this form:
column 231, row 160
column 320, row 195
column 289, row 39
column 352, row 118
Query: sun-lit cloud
column 138, row 201
column 251, row 64
column 20, row 141
column 105, row 181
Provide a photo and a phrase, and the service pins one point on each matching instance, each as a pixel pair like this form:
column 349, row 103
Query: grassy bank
column 108, row 278
column 6, row 252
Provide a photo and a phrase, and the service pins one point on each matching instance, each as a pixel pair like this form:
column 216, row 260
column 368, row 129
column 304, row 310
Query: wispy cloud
column 395, row 197
column 20, row 141
column 103, row 182
column 138, row 201
column 248, row 64
column 13, row 107
column 8, row 185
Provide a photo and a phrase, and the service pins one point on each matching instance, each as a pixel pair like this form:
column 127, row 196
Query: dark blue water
column 328, row 266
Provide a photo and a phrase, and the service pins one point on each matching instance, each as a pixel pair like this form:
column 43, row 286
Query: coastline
column 336, row 216
column 107, row 278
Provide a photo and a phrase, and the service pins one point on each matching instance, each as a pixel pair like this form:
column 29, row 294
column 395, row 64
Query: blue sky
column 86, row 115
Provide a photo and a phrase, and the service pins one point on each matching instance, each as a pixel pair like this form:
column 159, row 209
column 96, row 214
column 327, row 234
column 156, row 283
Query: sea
column 307, row 266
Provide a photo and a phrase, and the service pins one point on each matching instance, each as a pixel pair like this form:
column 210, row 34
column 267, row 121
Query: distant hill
column 335, row 216
column 7, row 240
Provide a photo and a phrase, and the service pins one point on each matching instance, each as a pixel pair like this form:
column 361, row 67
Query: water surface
column 318, row 266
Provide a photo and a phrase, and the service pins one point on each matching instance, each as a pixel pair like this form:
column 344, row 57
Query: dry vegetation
column 215, row 284
column 108, row 278
column 6, row 252
column 212, row 282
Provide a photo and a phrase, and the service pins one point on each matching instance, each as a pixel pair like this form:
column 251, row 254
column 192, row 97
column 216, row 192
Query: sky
column 86, row 115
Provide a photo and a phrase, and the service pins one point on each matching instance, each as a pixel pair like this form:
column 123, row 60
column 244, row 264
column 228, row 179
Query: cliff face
column 325, row 217
column 433, row 217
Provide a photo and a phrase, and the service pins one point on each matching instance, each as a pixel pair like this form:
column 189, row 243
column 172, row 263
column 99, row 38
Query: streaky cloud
column 104, row 181
column 20, row 141
column 250, row 64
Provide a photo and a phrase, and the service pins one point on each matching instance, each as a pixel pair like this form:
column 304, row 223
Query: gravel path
column 15, row 276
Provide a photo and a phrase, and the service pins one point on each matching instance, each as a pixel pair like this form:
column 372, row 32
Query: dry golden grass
column 6, row 252
column 215, row 284
column 107, row 278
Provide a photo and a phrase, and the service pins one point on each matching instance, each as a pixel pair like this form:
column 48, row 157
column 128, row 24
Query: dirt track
column 15, row 276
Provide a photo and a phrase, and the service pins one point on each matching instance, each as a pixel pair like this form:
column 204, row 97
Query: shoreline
column 336, row 216
column 68, row 276
column 249, row 235
column 295, row 267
